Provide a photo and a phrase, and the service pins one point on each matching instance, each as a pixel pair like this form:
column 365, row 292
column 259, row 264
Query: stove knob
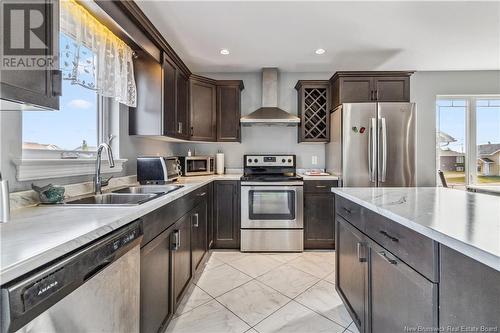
column 249, row 160
column 289, row 160
column 255, row 160
column 283, row 160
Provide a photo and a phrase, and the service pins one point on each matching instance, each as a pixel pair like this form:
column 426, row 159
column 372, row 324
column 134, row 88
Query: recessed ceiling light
column 320, row 51
column 224, row 51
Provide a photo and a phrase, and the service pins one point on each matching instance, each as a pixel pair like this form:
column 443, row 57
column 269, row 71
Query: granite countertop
column 38, row 235
column 466, row 222
column 325, row 177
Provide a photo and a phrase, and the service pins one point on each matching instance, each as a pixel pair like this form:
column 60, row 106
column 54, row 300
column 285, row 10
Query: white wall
column 261, row 139
column 425, row 86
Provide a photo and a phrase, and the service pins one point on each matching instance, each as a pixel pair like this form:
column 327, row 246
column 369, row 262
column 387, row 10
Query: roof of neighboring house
column 449, row 152
column 44, row 146
column 486, row 160
column 488, row 149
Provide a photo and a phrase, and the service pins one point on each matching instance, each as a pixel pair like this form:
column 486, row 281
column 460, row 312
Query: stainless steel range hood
column 270, row 114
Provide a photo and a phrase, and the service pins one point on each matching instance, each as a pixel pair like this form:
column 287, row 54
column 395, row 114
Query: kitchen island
column 414, row 259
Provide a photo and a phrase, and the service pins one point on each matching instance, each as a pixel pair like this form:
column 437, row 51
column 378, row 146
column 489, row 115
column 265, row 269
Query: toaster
column 157, row 169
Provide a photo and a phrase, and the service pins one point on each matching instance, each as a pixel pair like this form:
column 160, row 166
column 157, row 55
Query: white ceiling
column 357, row 35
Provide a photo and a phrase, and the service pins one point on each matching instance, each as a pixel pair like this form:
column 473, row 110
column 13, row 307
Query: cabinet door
column 356, row 89
column 392, row 89
column 156, row 307
column 228, row 113
column 210, row 218
column 40, row 88
column 182, row 109
column 227, row 215
column 351, row 270
column 181, row 257
column 199, row 232
column 319, row 217
column 169, row 97
column 401, row 298
column 469, row 292
column 203, row 111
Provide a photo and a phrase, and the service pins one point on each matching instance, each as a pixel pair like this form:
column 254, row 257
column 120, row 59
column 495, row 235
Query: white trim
column 32, row 169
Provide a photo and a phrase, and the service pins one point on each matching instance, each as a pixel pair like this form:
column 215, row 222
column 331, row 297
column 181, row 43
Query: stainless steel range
column 271, row 204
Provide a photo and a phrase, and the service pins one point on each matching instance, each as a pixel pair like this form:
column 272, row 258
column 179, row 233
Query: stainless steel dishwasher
column 94, row 289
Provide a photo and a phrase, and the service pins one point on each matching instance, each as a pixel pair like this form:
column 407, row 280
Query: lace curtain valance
column 92, row 56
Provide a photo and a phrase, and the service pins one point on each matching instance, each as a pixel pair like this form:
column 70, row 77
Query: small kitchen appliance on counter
column 271, row 204
column 197, row 165
column 157, row 170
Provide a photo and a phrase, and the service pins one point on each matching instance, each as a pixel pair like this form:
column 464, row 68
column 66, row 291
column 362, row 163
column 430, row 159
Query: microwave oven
column 157, row 169
column 197, row 165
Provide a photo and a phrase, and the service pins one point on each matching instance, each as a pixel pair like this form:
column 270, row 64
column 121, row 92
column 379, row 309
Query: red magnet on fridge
column 362, row 130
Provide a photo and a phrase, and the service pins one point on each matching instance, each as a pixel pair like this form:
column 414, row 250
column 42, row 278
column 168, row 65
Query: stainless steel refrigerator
column 373, row 144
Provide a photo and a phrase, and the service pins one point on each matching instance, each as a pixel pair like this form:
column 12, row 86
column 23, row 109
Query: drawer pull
column 201, row 194
column 392, row 238
column 347, row 210
column 320, row 186
column 389, row 260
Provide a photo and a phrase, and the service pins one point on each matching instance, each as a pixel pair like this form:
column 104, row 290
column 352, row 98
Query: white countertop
column 466, row 222
column 324, row 177
column 38, row 235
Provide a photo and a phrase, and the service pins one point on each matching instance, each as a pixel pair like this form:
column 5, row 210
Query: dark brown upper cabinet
column 313, row 110
column 182, row 109
column 35, row 89
column 360, row 87
column 229, row 110
column 203, row 126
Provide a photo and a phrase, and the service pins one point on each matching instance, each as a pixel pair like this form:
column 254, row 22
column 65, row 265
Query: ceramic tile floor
column 264, row 293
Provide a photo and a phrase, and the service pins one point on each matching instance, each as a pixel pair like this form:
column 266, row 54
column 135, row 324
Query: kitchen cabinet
column 227, row 218
column 199, row 221
column 203, row 126
column 352, row 271
column 400, row 298
column 156, row 307
column 181, row 258
column 210, row 219
column 313, row 110
column 169, row 110
column 229, row 110
column 469, row 292
column 35, row 89
column 362, row 87
column 319, row 214
column 182, row 108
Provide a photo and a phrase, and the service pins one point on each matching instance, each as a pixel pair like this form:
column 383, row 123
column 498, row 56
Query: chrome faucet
column 98, row 182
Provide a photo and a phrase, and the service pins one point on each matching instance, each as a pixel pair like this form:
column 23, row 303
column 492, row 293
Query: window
column 468, row 140
column 73, row 128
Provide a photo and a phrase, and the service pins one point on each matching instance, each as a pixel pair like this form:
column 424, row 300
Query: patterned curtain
column 93, row 57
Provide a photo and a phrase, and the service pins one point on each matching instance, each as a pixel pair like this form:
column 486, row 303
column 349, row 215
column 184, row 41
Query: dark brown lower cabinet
column 352, row 271
column 210, row 217
column 469, row 292
column 319, row 216
column 156, row 307
column 181, row 258
column 227, row 214
column 401, row 300
column 199, row 221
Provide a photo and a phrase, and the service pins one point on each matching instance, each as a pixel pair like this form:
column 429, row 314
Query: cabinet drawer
column 319, row 186
column 350, row 211
column 416, row 250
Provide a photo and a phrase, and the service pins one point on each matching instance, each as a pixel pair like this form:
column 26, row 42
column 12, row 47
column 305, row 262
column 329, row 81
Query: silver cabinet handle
column 201, row 194
column 320, row 186
column 196, row 224
column 177, row 240
column 389, row 260
column 361, row 252
column 179, row 127
column 383, row 142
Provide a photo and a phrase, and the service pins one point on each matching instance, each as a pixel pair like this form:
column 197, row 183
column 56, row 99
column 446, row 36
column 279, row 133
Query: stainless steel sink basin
column 164, row 189
column 115, row 199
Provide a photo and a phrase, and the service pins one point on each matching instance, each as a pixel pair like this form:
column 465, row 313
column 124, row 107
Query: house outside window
column 468, row 140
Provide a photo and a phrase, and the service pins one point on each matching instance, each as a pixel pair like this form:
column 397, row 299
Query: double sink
column 128, row 196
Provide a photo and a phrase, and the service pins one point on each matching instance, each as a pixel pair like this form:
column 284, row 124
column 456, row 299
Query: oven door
column 271, row 207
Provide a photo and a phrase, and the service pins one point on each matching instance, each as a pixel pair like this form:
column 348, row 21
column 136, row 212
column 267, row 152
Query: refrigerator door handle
column 384, row 149
column 371, row 149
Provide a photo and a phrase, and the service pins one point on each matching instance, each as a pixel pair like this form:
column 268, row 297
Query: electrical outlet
column 314, row 160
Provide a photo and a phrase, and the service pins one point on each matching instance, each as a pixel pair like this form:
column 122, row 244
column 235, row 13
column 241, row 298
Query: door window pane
column 488, row 141
column 451, row 114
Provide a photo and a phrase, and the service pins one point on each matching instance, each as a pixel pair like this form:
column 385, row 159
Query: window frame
column 470, row 164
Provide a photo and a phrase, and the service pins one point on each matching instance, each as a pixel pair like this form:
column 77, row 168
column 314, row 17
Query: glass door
column 271, row 204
